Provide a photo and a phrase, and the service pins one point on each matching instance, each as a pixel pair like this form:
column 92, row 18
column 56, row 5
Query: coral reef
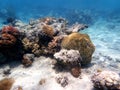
column 106, row 80
column 81, row 42
column 70, row 59
column 44, row 37
column 6, row 84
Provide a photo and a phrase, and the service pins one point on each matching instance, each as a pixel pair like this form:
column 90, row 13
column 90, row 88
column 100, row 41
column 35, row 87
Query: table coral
column 81, row 42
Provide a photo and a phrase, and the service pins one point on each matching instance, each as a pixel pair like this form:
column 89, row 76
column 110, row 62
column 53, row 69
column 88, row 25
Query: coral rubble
column 106, row 80
column 82, row 43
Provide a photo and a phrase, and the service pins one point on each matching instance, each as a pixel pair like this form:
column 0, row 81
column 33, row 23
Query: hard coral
column 7, row 40
column 70, row 59
column 54, row 46
column 44, row 38
column 27, row 59
column 82, row 43
column 48, row 30
column 6, row 84
column 31, row 47
column 106, row 80
column 10, row 30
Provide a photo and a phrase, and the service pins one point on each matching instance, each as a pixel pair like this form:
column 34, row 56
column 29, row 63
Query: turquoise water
column 102, row 16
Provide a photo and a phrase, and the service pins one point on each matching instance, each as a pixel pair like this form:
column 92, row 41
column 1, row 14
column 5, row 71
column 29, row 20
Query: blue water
column 102, row 16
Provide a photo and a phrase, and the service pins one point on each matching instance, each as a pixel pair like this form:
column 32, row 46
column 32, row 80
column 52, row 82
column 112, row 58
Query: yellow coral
column 81, row 42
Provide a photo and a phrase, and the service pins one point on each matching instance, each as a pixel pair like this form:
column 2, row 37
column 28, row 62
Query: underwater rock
column 27, row 59
column 6, row 83
column 106, row 80
column 69, row 59
column 82, row 43
column 63, row 81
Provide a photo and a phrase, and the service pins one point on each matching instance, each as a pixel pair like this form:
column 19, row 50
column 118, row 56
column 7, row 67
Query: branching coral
column 70, row 59
column 106, row 80
column 6, row 84
column 82, row 43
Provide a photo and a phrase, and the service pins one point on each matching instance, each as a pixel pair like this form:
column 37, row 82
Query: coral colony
column 52, row 37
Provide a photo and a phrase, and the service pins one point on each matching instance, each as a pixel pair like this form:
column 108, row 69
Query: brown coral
column 7, row 40
column 48, row 30
column 81, row 42
column 10, row 30
column 6, row 84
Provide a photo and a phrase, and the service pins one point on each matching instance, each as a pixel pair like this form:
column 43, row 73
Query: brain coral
column 82, row 43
